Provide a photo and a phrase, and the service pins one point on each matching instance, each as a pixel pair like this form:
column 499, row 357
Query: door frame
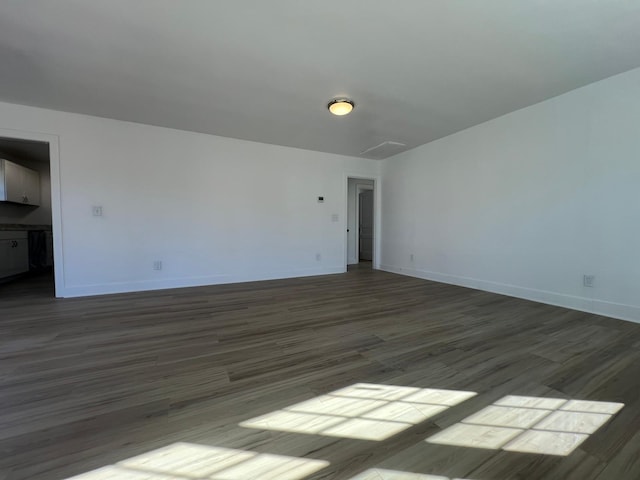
column 56, row 198
column 360, row 187
column 377, row 217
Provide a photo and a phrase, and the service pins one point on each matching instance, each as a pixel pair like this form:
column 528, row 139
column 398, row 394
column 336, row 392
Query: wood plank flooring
column 89, row 382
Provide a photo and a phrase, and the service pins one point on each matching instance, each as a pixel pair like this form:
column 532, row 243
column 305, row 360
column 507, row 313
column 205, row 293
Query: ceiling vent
column 384, row 150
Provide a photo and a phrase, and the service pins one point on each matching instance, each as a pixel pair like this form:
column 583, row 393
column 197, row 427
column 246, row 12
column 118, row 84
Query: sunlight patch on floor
column 187, row 461
column 550, row 426
column 362, row 411
column 113, row 472
column 384, row 474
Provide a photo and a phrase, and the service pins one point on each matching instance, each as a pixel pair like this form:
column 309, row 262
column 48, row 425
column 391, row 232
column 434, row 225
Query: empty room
column 337, row 240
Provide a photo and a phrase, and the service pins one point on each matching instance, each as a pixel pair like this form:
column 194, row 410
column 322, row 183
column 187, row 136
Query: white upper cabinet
column 19, row 184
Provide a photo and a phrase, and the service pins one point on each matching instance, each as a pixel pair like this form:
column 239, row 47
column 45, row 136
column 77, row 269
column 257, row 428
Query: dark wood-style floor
column 91, row 381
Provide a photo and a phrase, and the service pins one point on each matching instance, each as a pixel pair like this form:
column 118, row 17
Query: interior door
column 365, row 216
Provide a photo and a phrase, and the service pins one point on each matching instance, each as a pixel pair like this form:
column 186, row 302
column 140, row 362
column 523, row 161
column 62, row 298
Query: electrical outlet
column 97, row 211
column 589, row 280
column 411, row 257
column 318, row 257
column 157, row 265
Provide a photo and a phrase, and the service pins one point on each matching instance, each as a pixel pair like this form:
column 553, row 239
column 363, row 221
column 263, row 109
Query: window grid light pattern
column 550, row 426
column 187, row 461
column 362, row 411
column 384, row 474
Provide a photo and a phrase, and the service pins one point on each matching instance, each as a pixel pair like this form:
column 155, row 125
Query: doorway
column 365, row 224
column 27, row 212
column 361, row 224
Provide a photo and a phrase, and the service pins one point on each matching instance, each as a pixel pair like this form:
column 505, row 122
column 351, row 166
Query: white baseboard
column 146, row 285
column 600, row 307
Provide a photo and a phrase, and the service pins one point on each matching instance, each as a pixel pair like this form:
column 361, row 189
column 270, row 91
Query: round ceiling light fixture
column 340, row 106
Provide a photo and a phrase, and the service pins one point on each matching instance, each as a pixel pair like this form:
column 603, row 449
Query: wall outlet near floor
column 411, row 257
column 157, row 265
column 318, row 257
column 589, row 280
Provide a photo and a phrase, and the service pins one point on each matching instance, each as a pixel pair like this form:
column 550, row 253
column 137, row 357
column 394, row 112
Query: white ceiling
column 264, row 70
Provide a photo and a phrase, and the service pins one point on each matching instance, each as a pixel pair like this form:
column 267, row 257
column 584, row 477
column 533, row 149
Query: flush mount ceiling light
column 340, row 106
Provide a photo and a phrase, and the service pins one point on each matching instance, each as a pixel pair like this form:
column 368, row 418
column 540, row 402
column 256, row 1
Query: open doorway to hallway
column 360, row 223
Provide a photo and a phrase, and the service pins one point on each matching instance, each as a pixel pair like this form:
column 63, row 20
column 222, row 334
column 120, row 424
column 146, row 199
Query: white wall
column 527, row 203
column 213, row 209
column 352, row 217
column 27, row 215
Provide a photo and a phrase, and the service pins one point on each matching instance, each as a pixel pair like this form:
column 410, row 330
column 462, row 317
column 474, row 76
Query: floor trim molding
column 184, row 282
column 620, row 311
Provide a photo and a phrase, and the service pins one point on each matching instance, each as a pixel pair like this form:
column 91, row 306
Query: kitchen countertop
column 23, row 227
